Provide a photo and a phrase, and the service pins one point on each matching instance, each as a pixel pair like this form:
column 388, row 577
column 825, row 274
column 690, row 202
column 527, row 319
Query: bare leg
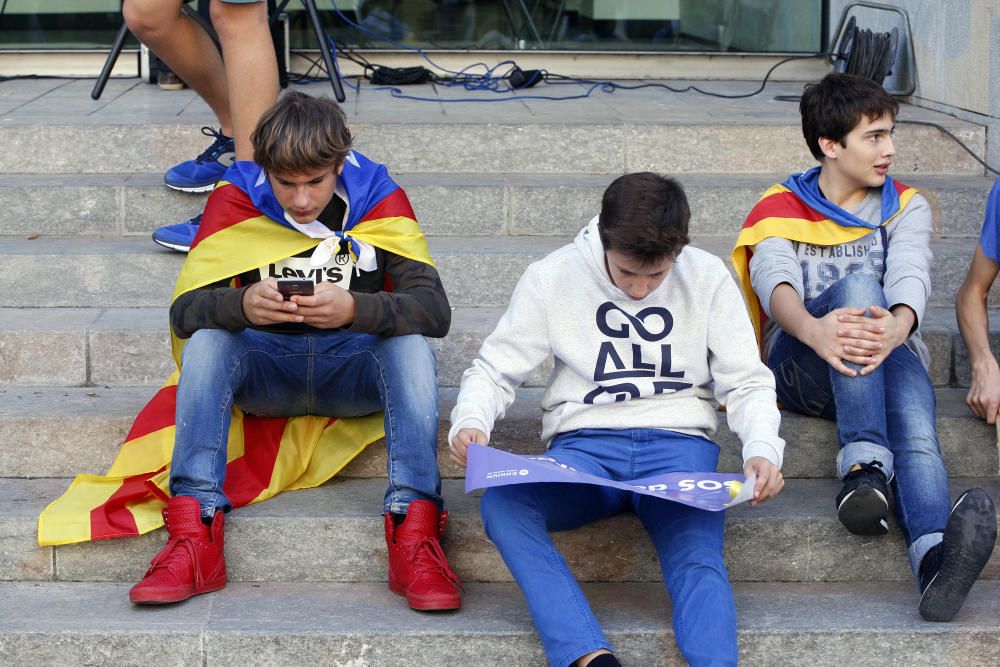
column 584, row 660
column 251, row 66
column 186, row 47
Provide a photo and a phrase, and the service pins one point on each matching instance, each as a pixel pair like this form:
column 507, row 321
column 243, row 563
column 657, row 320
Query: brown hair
column 301, row 133
column 644, row 216
column 833, row 107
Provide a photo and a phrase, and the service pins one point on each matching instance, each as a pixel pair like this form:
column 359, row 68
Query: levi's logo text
column 627, row 368
column 339, row 270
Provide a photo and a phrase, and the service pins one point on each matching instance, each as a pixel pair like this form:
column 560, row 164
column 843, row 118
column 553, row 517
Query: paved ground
column 130, row 101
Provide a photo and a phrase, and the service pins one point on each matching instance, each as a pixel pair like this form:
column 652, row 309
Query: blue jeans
column 688, row 541
column 333, row 374
column 885, row 416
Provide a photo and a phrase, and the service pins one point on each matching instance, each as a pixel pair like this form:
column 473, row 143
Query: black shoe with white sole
column 863, row 503
column 949, row 569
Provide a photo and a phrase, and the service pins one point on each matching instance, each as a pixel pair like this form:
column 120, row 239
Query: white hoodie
column 621, row 363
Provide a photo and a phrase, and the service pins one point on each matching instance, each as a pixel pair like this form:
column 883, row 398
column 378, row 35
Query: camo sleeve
column 215, row 306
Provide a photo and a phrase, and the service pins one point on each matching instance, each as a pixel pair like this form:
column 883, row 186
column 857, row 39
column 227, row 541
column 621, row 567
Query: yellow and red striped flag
column 266, row 455
column 780, row 212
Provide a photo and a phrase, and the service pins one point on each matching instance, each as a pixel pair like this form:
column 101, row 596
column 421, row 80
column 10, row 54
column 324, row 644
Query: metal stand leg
column 109, row 64
column 331, row 67
column 278, row 38
column 338, row 88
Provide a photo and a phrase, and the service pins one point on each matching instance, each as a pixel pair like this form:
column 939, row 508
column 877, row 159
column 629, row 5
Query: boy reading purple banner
column 712, row 491
column 648, row 336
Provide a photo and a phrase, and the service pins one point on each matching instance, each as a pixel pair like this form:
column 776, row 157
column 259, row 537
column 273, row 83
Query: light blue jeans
column 688, row 541
column 333, row 374
column 886, row 416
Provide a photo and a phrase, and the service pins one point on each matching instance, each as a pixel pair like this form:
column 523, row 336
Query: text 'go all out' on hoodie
column 661, row 362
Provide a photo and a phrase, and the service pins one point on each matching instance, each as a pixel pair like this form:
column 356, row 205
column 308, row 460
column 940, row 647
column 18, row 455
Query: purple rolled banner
column 705, row 490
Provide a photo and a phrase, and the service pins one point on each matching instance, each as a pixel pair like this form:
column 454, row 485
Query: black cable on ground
column 954, row 138
column 18, row 77
column 550, row 77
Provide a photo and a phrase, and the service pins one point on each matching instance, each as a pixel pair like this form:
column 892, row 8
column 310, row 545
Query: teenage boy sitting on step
column 648, row 335
column 835, row 266
column 312, row 207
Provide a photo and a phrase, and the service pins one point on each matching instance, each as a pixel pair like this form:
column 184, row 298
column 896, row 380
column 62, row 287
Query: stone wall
column 956, row 45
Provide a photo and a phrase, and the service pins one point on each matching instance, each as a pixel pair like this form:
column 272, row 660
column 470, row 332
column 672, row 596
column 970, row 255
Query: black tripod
column 274, row 12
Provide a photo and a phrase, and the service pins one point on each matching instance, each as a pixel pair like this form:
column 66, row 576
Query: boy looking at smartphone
column 835, row 266
column 310, row 208
column 647, row 335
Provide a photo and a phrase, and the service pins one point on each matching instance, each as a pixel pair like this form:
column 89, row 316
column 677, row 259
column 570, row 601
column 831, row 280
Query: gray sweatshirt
column 662, row 362
column 904, row 270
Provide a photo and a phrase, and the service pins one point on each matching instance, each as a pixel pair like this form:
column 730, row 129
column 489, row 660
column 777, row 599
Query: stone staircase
column 83, row 345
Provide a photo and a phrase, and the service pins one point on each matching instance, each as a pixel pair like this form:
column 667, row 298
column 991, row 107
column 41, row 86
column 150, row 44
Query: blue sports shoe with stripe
column 178, row 237
column 202, row 173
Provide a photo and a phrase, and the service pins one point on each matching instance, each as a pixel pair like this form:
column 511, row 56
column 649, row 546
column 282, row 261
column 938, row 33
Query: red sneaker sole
column 448, row 603
column 171, row 598
column 436, row 603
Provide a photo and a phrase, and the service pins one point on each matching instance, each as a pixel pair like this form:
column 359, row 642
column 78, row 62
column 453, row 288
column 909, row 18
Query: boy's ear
column 830, row 147
column 340, row 169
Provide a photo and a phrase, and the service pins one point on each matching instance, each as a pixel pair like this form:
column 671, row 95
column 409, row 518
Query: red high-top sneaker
column 418, row 569
column 192, row 562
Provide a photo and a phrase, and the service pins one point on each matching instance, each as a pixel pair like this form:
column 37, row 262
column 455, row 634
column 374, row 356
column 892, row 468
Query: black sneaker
column 863, row 503
column 949, row 569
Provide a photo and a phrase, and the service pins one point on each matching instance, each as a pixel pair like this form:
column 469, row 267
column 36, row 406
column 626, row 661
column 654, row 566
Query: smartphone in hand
column 289, row 287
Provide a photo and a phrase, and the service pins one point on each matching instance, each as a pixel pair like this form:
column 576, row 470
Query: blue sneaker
column 202, row 173
column 178, row 237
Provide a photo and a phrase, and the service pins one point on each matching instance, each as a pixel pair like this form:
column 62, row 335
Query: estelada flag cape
column 243, row 227
column 795, row 210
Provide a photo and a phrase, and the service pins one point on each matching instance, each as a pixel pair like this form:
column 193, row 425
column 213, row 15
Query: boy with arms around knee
column 647, row 334
column 835, row 265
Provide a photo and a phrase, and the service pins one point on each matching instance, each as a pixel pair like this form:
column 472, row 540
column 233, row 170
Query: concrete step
column 360, row 625
column 132, row 272
column 335, row 533
column 61, row 432
column 737, row 140
column 58, row 129
column 130, row 346
column 446, row 204
column 476, row 271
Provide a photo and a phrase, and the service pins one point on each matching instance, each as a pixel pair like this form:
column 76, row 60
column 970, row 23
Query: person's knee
column 860, row 290
column 411, row 355
column 147, row 19
column 234, row 20
column 206, row 349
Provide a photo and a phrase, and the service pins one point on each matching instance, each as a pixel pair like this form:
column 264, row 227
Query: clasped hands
column 329, row 307
column 848, row 335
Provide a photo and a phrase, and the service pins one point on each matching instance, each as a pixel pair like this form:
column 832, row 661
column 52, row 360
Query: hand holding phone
column 290, row 287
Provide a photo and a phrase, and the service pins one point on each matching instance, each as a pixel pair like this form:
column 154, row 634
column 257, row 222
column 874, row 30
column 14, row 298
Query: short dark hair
column 644, row 216
column 834, row 106
column 300, row 133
